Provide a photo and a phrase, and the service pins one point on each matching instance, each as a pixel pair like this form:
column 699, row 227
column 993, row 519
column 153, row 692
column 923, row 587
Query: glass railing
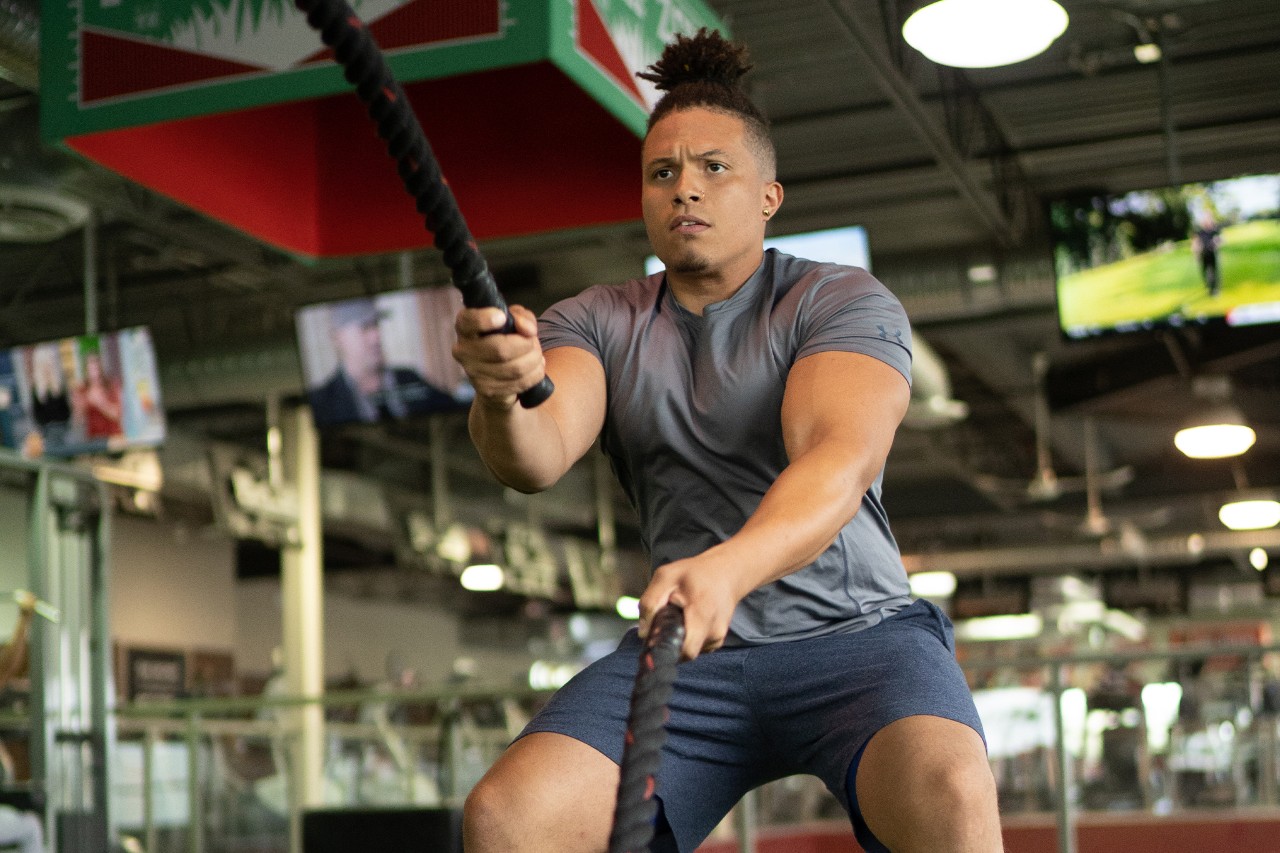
column 1141, row 732
column 217, row 776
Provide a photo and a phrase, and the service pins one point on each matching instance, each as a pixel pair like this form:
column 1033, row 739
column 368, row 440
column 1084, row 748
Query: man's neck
column 695, row 291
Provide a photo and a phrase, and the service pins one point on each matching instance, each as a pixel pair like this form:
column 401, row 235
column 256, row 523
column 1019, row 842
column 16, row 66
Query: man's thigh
column 547, row 790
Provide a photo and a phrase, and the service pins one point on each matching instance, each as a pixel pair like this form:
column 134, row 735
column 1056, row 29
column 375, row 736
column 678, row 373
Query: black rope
column 363, row 66
column 646, row 732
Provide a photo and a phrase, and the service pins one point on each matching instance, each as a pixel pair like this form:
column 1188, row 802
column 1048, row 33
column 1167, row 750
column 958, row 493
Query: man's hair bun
column 703, row 58
column 703, row 71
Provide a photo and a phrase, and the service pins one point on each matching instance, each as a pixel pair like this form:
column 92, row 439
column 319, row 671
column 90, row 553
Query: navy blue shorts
column 744, row 716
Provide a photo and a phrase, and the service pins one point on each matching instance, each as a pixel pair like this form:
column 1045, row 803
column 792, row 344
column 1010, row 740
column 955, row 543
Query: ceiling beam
column 899, row 90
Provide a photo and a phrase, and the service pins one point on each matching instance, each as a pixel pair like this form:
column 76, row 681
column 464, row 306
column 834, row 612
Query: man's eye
column 662, row 174
column 715, row 167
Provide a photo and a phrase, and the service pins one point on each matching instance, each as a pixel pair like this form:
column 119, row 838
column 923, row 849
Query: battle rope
column 646, row 732
column 363, row 66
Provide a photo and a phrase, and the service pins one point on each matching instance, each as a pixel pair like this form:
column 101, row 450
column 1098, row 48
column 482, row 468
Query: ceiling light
column 1250, row 515
column 932, row 584
column 1015, row 626
column 984, row 33
column 628, row 607
column 1258, row 559
column 1218, row 432
column 1147, row 53
column 482, row 577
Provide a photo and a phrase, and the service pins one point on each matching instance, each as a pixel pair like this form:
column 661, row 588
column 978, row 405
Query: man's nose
column 687, row 191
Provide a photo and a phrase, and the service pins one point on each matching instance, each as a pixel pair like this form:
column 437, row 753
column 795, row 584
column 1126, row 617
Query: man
column 748, row 401
column 364, row 387
column 1205, row 241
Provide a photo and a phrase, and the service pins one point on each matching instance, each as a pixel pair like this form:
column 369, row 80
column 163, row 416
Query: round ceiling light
column 984, row 33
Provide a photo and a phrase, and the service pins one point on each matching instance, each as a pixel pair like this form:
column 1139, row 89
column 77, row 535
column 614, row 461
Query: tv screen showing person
column 87, row 394
column 367, row 360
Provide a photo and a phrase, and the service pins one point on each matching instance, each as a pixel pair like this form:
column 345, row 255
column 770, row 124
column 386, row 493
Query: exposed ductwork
column 931, row 403
column 20, row 43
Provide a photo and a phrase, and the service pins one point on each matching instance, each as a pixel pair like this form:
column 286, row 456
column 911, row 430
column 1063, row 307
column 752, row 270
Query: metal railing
column 214, row 776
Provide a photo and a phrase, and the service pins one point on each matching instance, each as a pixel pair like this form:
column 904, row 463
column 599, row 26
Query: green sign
column 165, row 92
column 111, row 64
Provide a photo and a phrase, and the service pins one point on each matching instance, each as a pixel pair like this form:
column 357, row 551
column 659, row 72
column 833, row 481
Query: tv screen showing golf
column 1193, row 254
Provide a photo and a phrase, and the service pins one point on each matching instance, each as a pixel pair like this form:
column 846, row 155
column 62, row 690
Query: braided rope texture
column 364, row 67
column 646, row 732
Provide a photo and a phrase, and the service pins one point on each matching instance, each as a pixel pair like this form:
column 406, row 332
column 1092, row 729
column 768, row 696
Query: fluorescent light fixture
column 482, row 577
column 1250, row 515
column 1147, row 53
column 1258, row 559
column 984, row 33
column 1016, row 626
column 551, row 675
column 628, row 607
column 844, row 245
column 1228, row 435
column 932, row 584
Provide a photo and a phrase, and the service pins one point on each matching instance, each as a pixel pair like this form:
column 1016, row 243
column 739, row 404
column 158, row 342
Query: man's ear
column 773, row 196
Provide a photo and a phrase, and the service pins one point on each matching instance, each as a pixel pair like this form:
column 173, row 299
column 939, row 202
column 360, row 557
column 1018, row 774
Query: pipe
column 931, row 405
column 91, row 274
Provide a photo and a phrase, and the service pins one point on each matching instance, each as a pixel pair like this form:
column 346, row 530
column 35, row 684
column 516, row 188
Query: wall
column 171, row 586
column 360, row 632
column 175, row 587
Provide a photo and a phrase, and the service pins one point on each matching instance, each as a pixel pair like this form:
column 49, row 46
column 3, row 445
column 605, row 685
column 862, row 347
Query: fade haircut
column 705, row 71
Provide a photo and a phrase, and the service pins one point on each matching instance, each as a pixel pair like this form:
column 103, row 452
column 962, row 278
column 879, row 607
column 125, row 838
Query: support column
column 302, row 589
column 1065, row 806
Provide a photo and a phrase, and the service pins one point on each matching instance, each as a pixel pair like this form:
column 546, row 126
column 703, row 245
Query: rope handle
column 646, row 732
column 364, row 67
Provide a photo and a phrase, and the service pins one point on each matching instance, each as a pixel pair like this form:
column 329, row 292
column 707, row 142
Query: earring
column 766, row 211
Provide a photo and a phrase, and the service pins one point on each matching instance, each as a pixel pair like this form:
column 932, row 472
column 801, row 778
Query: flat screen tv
column 381, row 358
column 1195, row 254
column 846, row 245
column 82, row 395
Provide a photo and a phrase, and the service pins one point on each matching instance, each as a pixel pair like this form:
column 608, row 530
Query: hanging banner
column 235, row 108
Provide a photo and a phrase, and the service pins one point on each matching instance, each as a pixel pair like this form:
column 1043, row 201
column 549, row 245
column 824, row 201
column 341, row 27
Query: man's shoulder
column 635, row 291
column 801, row 278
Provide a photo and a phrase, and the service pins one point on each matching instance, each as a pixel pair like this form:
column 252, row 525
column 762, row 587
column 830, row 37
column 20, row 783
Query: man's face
column 703, row 195
column 360, row 348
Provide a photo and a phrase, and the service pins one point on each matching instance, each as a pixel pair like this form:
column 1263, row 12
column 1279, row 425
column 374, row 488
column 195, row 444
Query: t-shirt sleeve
column 852, row 312
column 572, row 322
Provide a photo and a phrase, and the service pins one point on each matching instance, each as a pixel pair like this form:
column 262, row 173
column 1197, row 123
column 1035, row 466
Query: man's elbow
column 524, row 480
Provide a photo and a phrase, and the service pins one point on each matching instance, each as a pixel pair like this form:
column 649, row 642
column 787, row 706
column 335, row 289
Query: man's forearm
column 522, row 447
column 799, row 516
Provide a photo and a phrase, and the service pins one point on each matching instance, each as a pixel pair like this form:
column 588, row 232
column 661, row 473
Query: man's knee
column 925, row 784
column 964, row 786
column 487, row 815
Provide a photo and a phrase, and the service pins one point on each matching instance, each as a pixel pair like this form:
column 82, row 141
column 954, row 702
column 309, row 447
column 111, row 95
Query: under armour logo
column 885, row 333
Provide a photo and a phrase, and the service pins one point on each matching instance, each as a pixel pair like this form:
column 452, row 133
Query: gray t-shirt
column 694, row 428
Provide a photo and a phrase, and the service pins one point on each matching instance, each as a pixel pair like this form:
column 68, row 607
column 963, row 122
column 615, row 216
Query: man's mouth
column 688, row 225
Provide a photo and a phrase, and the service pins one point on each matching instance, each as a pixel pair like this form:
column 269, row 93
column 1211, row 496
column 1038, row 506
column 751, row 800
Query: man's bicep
column 847, row 397
column 578, row 402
